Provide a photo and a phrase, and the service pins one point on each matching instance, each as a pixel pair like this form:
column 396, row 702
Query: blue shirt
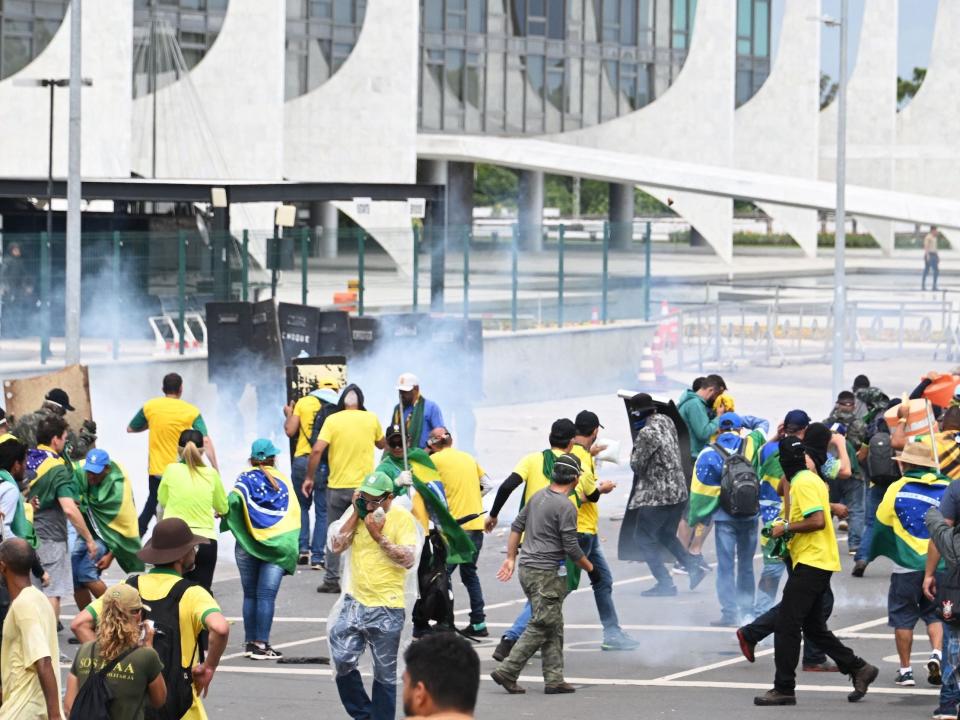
column 709, row 467
column 432, row 418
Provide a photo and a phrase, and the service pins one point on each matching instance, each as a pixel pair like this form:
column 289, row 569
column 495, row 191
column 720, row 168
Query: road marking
column 666, row 628
column 293, row 643
column 237, row 619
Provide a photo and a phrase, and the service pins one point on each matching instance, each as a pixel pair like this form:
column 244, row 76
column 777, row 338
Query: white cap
column 407, row 382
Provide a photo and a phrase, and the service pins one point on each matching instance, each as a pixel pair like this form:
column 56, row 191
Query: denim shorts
column 906, row 603
column 84, row 569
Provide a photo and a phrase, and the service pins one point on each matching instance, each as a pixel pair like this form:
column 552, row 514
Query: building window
column 681, row 23
column 753, row 47
column 26, row 27
column 321, row 34
column 170, row 37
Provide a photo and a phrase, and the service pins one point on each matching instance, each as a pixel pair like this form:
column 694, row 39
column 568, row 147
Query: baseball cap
column 376, row 484
column 730, row 421
column 263, row 449
column 96, row 461
column 59, row 397
column 797, row 419
column 562, row 432
column 586, row 422
column 125, row 596
column 407, row 382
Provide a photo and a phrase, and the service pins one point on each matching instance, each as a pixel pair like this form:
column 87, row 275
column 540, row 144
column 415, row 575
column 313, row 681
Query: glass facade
column 170, row 37
column 26, row 27
column 320, row 36
column 516, row 67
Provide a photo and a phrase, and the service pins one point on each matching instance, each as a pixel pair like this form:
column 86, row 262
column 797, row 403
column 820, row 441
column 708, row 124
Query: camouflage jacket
column 856, row 429
column 657, row 466
column 870, row 401
column 78, row 444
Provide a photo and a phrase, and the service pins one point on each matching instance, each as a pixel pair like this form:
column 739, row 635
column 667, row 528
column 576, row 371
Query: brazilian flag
column 110, row 510
column 705, row 485
column 431, row 501
column 899, row 532
column 265, row 519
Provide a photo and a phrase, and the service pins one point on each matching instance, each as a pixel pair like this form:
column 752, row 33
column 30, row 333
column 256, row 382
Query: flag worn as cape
column 112, row 514
column 47, row 472
column 22, row 526
column 430, row 502
column 705, row 486
column 899, row 532
column 265, row 520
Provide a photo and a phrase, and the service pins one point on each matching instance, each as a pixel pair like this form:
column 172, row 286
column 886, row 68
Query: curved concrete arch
column 692, row 121
column 777, row 129
column 871, row 115
column 24, row 111
column 361, row 124
column 928, row 137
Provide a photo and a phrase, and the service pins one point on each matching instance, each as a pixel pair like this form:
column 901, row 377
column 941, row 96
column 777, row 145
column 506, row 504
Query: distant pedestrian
column 265, row 520
column 931, row 257
column 192, row 491
column 166, row 418
column 30, row 651
column 442, row 678
column 420, row 415
column 549, row 521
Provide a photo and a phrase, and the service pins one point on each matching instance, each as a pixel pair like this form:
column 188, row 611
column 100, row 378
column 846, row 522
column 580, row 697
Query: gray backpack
column 739, row 484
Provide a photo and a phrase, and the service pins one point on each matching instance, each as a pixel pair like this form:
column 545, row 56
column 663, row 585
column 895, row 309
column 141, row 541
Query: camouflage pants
column 546, row 591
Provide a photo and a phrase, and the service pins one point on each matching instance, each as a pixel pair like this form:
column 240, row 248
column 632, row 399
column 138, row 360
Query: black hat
column 562, row 432
column 792, row 455
column 567, row 465
column 393, row 430
column 586, row 422
column 61, row 398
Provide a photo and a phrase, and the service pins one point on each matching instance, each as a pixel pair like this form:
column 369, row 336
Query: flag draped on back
column 112, row 514
column 430, row 502
column 265, row 519
column 21, row 526
column 46, row 473
column 899, row 532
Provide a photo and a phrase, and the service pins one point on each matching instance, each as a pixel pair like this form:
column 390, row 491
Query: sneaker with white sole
column 265, row 652
column 905, row 679
column 944, row 714
column 248, row 649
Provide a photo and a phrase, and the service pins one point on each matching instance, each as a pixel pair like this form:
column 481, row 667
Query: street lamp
column 840, row 219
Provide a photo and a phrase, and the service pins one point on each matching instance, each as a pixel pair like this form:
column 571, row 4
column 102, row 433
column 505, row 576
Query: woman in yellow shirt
column 192, row 491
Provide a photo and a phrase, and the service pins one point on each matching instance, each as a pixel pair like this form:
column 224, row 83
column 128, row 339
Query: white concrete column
column 621, row 216
column 324, row 222
column 530, row 210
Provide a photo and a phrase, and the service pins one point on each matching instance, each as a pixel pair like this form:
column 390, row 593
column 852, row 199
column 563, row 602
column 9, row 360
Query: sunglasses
column 398, row 443
column 373, row 501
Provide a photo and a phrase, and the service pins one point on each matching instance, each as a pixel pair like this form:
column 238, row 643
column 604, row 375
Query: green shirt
column 128, row 680
column 193, row 497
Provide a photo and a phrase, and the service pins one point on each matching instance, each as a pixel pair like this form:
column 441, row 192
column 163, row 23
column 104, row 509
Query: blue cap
column 730, row 421
column 96, row 461
column 263, row 449
column 797, row 418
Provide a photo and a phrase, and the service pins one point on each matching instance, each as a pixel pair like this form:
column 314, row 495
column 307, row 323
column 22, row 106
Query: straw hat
column 918, row 454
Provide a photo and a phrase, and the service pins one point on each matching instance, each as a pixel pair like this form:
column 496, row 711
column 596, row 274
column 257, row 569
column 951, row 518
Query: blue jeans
column 298, row 475
column 950, row 667
column 874, row 498
column 260, row 581
column 520, row 624
column 84, row 569
column 354, row 628
column 736, row 544
column 471, row 581
column 601, row 579
column 851, row 492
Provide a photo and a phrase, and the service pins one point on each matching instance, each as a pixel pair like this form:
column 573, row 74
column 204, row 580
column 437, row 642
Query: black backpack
column 326, row 410
column 882, row 469
column 165, row 614
column 947, row 601
column 94, row 697
column 739, row 484
column 436, row 596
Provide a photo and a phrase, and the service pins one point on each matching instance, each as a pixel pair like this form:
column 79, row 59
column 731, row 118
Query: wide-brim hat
column 172, row 538
column 918, row 453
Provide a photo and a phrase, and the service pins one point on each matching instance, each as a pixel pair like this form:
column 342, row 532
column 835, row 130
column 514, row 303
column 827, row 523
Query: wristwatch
column 786, row 527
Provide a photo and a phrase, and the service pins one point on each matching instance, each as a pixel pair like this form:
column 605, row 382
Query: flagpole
column 403, row 433
column 933, row 435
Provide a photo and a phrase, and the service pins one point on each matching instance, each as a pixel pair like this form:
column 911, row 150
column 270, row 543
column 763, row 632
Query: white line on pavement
column 293, row 643
column 287, row 619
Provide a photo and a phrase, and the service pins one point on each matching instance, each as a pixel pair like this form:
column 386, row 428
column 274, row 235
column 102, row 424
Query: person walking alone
column 931, row 257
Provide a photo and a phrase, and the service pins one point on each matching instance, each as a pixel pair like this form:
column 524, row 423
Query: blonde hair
column 262, row 465
column 192, row 457
column 117, row 630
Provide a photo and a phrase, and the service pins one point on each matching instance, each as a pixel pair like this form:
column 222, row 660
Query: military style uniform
column 78, row 444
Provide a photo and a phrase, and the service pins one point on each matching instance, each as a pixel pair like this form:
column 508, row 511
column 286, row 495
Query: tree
column 906, row 89
column 828, row 90
column 495, row 186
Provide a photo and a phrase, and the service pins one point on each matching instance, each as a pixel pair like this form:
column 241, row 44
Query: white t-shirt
column 9, row 494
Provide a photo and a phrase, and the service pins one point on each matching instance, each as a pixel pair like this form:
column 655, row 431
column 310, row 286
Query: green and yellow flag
column 264, row 518
column 22, row 524
column 899, row 532
column 708, row 470
column 112, row 515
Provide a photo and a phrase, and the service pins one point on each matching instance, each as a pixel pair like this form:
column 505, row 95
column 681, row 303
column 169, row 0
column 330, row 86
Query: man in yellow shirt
column 588, row 523
column 349, row 436
column 463, row 483
column 815, row 557
column 383, row 541
column 166, row 417
column 302, row 418
column 29, row 652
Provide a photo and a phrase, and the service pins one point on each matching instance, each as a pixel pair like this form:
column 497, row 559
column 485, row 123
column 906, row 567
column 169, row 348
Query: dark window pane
column 476, row 16
column 455, row 74
column 433, row 15
column 537, row 8
column 343, row 11
column 16, row 54
column 536, row 28
column 761, row 29
column 555, row 88
column 744, row 13
column 556, row 22
column 296, row 9
column 628, row 23
column 456, row 21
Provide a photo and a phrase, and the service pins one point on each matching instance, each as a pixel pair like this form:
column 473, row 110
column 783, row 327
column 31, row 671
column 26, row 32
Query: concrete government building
column 681, row 94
